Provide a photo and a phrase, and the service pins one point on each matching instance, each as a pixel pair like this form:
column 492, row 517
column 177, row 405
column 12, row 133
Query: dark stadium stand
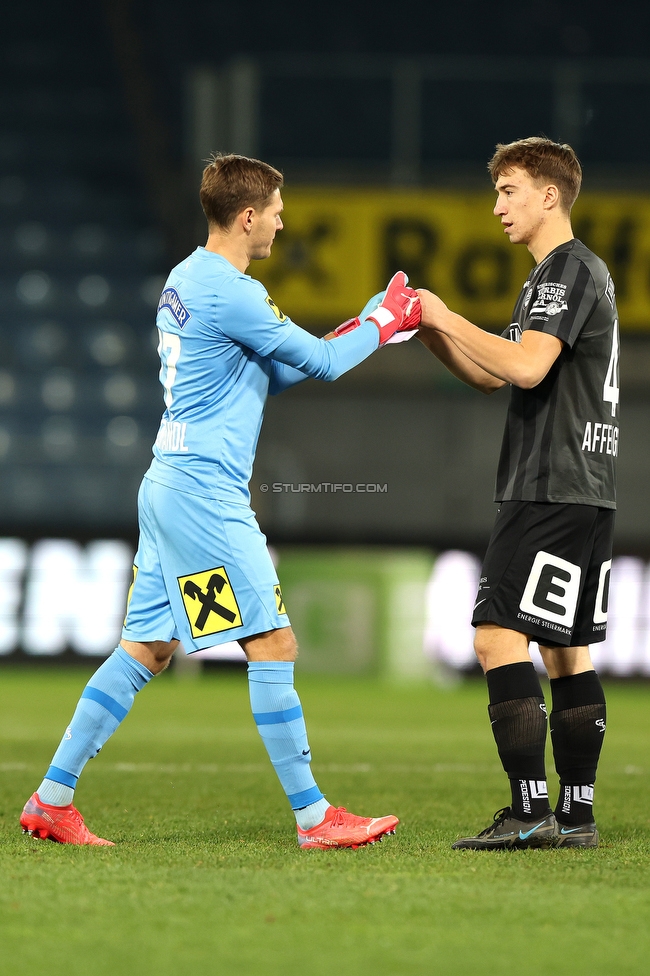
column 80, row 272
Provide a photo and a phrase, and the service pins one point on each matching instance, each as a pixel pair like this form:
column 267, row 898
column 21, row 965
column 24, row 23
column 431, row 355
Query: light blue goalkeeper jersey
column 224, row 345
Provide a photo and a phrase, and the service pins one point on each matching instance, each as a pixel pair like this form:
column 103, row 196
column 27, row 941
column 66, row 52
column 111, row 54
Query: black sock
column 518, row 716
column 577, row 732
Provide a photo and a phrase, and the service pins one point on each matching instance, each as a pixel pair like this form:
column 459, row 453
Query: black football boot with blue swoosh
column 507, row 832
column 568, row 835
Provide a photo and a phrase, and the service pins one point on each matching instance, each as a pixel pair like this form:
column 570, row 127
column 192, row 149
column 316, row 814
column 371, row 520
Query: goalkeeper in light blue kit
column 202, row 571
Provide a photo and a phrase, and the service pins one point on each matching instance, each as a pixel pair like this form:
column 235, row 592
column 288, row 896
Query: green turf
column 206, row 876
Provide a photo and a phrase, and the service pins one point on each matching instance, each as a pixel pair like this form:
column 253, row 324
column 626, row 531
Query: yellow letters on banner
column 340, row 246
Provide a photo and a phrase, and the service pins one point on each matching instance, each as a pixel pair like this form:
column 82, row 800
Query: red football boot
column 343, row 829
column 62, row 824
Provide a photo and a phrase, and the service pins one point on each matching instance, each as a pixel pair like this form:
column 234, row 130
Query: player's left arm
column 284, row 376
column 370, row 306
column 524, row 364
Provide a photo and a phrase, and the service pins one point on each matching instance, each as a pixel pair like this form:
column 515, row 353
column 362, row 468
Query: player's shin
column 518, row 717
column 577, row 732
column 278, row 715
column 104, row 703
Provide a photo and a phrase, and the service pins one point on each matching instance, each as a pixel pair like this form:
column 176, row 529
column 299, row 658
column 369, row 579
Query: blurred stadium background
column 375, row 492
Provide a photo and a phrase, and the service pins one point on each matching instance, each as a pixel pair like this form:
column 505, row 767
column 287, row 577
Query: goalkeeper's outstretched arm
column 395, row 310
column 283, row 377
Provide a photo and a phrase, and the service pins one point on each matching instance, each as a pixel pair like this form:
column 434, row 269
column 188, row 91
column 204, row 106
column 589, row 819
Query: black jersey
column 561, row 438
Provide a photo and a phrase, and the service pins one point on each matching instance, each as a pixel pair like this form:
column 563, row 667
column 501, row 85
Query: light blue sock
column 278, row 715
column 104, row 703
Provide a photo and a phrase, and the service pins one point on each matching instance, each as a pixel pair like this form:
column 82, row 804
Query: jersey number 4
column 169, row 350
column 610, row 389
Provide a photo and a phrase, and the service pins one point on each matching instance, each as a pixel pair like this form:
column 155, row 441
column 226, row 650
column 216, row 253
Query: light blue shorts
column 202, row 572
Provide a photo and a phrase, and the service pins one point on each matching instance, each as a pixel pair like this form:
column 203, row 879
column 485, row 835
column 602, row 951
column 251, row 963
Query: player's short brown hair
column 544, row 160
column 231, row 183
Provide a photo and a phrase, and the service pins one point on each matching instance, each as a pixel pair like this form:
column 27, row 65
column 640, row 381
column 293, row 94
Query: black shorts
column 546, row 572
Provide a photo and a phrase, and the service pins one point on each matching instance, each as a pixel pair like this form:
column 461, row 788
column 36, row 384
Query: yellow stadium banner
column 341, row 245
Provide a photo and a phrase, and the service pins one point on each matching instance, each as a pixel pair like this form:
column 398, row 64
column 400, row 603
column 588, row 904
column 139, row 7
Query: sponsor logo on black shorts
column 544, row 624
column 552, row 591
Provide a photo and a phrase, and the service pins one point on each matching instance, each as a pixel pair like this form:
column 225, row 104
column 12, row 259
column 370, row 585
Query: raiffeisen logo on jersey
column 171, row 300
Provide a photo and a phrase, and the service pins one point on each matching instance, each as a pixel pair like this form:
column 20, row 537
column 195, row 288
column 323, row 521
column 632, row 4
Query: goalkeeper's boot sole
column 343, row 829
column 65, row 825
column 586, row 835
column 507, row 832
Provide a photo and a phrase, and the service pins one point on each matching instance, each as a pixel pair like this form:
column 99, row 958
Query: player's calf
column 578, row 723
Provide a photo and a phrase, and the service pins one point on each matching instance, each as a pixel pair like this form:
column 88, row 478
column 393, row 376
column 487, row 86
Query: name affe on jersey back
column 602, row 439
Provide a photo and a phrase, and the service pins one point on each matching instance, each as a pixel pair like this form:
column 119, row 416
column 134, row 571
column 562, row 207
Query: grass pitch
column 207, row 878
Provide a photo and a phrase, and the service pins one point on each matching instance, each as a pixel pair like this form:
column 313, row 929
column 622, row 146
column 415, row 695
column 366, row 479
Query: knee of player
column 155, row 655
column 481, row 648
column 288, row 643
column 283, row 645
column 163, row 651
column 273, row 645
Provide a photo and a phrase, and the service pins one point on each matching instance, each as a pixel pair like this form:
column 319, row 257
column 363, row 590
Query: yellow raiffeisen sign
column 340, row 246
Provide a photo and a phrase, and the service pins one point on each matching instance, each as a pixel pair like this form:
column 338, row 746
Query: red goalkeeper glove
column 399, row 310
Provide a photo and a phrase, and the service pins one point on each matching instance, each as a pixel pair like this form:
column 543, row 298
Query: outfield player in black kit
column 546, row 571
